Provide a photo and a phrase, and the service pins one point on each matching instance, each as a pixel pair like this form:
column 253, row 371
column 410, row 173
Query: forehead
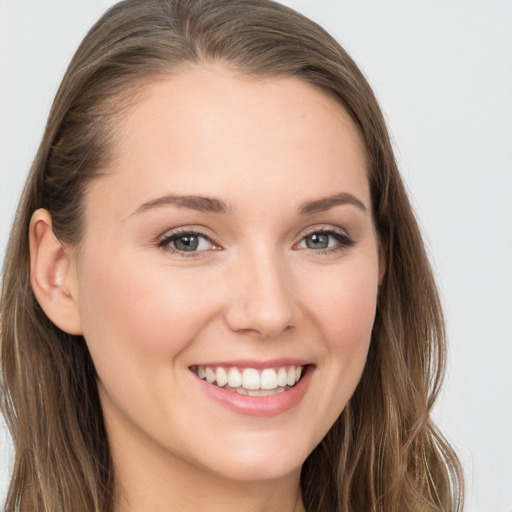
column 225, row 133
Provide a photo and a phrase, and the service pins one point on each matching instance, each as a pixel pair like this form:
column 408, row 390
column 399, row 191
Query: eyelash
column 165, row 243
column 343, row 241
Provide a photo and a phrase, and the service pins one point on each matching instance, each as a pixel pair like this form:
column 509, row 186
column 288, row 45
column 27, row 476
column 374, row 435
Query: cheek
column 346, row 303
column 134, row 312
column 342, row 306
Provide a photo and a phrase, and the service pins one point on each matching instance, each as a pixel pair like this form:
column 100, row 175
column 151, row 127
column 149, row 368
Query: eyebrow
column 326, row 203
column 214, row 205
column 198, row 203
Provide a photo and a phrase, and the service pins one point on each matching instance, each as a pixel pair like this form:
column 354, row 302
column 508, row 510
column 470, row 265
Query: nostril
column 266, row 325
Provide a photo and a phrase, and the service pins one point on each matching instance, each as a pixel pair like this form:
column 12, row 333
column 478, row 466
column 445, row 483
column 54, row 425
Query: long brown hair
column 383, row 454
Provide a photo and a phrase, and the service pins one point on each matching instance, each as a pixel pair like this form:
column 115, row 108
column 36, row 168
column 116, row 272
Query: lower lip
column 271, row 405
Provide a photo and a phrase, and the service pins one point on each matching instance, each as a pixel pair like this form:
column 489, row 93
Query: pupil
column 317, row 241
column 186, row 243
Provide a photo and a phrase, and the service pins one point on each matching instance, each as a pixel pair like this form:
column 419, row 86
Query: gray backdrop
column 442, row 71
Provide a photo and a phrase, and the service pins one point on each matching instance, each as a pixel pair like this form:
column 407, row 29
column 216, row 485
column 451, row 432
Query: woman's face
column 230, row 242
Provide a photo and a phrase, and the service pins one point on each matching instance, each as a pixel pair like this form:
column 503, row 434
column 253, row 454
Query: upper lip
column 257, row 364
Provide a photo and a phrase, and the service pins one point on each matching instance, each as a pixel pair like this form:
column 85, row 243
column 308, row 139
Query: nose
column 262, row 299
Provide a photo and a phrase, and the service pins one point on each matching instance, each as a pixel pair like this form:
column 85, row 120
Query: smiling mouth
column 252, row 381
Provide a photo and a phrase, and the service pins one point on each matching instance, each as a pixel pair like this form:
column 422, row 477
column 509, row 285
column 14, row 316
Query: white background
column 443, row 73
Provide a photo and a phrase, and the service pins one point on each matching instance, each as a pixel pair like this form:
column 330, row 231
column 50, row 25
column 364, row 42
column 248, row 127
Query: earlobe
column 52, row 274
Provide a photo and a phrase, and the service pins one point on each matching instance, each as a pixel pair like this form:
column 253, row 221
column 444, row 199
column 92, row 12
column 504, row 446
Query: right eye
column 187, row 242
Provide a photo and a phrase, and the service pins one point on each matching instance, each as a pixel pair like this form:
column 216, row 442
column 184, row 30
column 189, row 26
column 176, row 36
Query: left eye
column 321, row 240
column 187, row 242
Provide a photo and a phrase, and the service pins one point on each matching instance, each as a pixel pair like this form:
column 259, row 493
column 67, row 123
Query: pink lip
column 262, row 406
column 251, row 363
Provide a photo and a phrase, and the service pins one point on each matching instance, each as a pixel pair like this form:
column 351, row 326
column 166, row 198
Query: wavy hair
column 383, row 454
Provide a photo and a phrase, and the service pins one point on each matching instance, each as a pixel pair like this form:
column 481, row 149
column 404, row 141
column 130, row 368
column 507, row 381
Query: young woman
column 215, row 293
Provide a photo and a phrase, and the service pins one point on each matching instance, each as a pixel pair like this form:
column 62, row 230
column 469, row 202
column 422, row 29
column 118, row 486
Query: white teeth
column 264, row 392
column 250, row 380
column 291, row 376
column 268, row 379
column 210, row 375
column 234, row 378
column 221, row 377
column 282, row 377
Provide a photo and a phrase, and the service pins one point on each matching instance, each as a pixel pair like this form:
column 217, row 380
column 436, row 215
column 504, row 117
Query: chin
column 260, row 461
column 259, row 471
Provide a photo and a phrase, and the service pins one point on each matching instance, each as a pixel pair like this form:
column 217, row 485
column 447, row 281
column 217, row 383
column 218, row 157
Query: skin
column 254, row 290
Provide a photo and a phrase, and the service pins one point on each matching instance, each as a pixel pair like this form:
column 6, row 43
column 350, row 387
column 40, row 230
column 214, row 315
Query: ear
column 53, row 274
